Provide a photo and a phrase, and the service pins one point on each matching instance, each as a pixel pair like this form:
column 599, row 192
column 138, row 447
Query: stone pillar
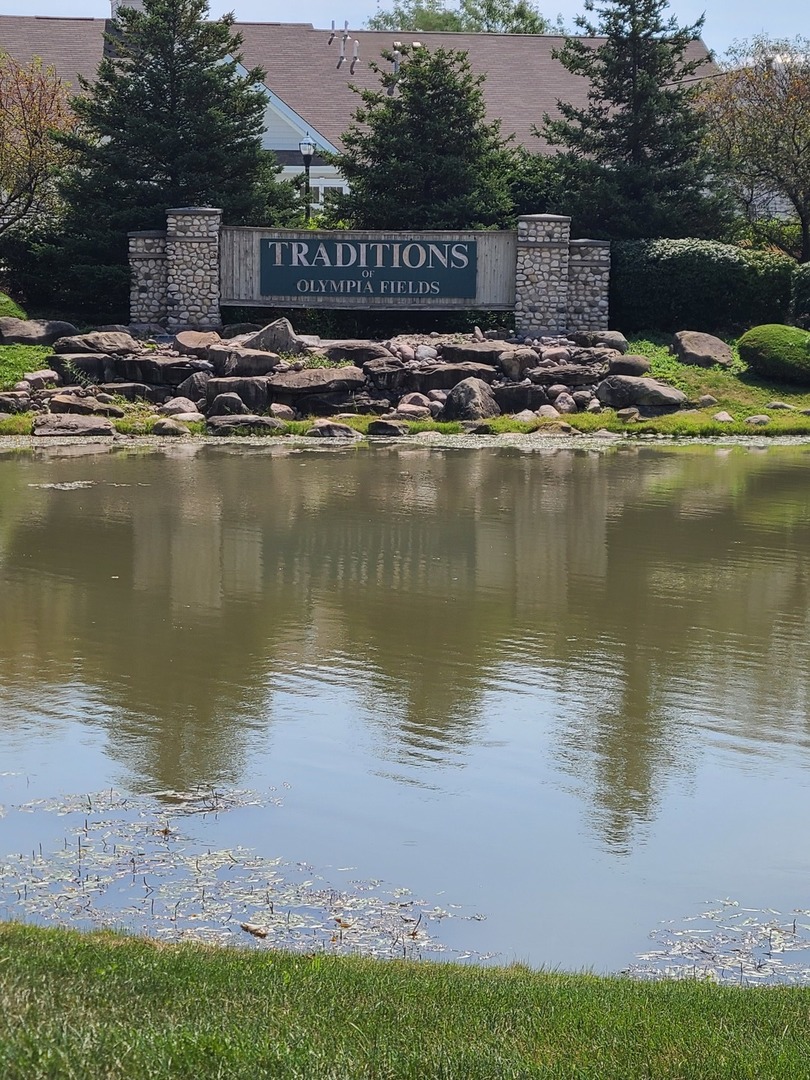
column 192, row 253
column 147, row 289
column 541, row 275
column 588, row 284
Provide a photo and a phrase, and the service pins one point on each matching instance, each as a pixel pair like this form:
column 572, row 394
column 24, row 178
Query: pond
column 526, row 703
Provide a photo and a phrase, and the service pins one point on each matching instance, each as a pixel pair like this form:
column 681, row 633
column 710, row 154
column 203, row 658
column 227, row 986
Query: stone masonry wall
column 147, row 290
column 560, row 284
column 541, row 275
column 588, row 284
column 192, row 252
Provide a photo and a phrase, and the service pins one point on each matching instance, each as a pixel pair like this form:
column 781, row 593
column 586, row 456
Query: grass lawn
column 88, row 1006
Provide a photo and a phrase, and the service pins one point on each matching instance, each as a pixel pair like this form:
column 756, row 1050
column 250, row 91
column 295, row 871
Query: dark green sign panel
column 354, row 269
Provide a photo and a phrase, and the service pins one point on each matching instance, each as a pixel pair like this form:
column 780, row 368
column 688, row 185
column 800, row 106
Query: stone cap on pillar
column 212, row 210
column 543, row 217
column 591, row 243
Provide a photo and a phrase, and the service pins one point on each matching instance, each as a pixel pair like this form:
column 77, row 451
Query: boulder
column 480, row 352
column 246, row 423
column 701, row 350
column 194, row 386
column 415, row 399
column 446, row 376
column 628, row 415
column 168, row 426
column 33, row 331
column 423, row 352
column 723, row 418
column 135, row 391
column 514, row 398
column 774, row 405
column 328, row 429
column 565, row 404
column 177, row 405
column 38, row 380
column 188, row 417
column 568, row 375
column 342, row 401
column 471, row 399
column 92, row 367
column 628, row 365
column 514, row 362
column 705, row 401
column 276, row 337
column 293, row 384
column 413, row 412
column 157, row 370
column 66, row 424
column 757, row 421
column 390, row 428
column 228, row 404
column 619, row 391
column 15, row 401
column 547, row 412
column 357, row 351
column 195, row 342
column 83, row 406
column 387, row 375
column 281, row 412
column 253, row 392
column 245, row 363
column 113, row 342
column 589, row 338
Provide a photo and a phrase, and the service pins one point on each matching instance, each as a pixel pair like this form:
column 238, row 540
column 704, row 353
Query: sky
column 726, row 20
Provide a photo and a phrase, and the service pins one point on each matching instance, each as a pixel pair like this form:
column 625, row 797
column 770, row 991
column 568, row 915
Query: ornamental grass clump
column 774, row 351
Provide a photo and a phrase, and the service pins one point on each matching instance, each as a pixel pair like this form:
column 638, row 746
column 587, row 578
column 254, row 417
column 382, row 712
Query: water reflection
column 627, row 598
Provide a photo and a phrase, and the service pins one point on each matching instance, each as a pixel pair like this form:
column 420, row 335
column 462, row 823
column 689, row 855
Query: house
column 310, row 73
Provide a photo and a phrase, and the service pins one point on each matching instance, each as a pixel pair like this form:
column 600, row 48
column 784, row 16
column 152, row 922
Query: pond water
column 560, row 695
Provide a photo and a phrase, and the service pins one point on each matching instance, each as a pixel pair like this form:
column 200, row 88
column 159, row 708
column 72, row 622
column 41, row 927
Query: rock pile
column 262, row 377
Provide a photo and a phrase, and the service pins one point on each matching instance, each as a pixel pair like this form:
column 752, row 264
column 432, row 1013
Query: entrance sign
column 384, row 268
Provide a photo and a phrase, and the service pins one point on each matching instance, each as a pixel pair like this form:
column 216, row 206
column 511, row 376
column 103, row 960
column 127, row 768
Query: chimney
column 116, row 4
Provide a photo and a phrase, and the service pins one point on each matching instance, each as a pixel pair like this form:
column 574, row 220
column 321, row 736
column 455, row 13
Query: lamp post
column 307, row 148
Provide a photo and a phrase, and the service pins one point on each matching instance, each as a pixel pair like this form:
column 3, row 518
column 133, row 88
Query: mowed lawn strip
column 101, row 1005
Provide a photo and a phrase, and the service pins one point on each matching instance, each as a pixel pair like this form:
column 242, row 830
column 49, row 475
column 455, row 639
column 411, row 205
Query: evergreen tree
column 634, row 161
column 471, row 17
column 169, row 121
column 420, row 153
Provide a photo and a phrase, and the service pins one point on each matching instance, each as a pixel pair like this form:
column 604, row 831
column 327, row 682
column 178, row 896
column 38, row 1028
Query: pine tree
column 635, row 163
column 171, row 120
column 420, row 153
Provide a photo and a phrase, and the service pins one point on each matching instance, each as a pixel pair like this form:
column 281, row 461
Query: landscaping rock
column 415, row 399
column 342, row 401
column 387, row 375
column 228, row 405
column 446, row 376
column 188, row 417
column 619, row 391
column 723, row 418
column 328, row 429
column 135, row 391
column 276, row 337
column 481, row 352
column 293, row 384
column 611, row 338
column 525, row 416
column 247, row 363
column 628, row 415
column 705, row 401
column 177, row 405
column 93, row 367
column 390, row 428
column 757, row 421
column 257, row 425
column 701, row 350
column 168, row 426
column 15, row 401
column 281, row 412
column 628, row 365
column 194, row 386
column 471, row 399
column 33, row 331
column 359, row 352
column 38, row 380
column 413, row 412
column 571, row 376
column 547, row 412
column 66, row 424
column 114, row 343
column 513, row 397
column 565, row 404
column 780, row 405
column 514, row 362
column 252, row 392
column 83, row 406
column 195, row 342
column 425, row 352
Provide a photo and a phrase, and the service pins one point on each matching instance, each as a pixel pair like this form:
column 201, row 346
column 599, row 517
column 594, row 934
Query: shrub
column 777, row 352
column 696, row 285
column 801, row 295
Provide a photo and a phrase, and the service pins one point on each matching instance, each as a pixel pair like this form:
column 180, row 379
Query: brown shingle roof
column 523, row 81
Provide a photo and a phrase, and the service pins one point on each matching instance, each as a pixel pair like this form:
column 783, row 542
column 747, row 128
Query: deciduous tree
column 758, row 114
column 34, row 103
column 471, row 16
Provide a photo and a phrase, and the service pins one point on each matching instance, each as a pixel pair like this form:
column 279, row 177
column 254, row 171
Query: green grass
column 9, row 309
column 15, row 360
column 94, row 1006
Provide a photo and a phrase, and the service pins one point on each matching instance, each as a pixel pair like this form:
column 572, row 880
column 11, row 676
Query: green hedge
column 777, row 352
column 801, row 295
column 696, row 285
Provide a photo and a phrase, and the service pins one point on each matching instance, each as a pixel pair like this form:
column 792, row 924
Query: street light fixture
column 307, row 148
